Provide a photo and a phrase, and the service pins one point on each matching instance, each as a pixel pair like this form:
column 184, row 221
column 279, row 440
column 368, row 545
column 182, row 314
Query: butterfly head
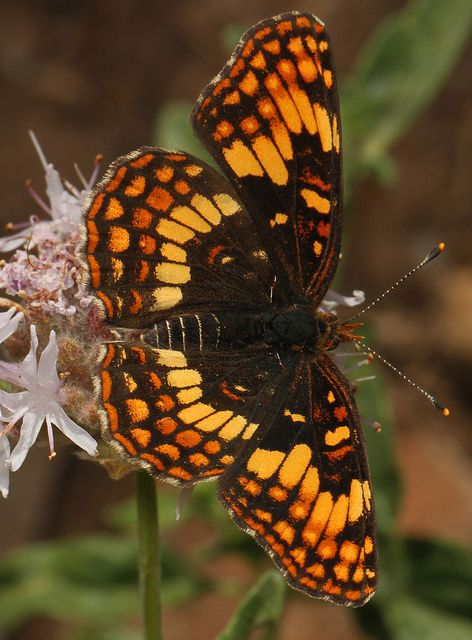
column 332, row 332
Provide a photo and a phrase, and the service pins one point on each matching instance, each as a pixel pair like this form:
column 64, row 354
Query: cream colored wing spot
column 250, row 430
column 184, row 378
column 165, row 298
column 295, row 465
column 232, row 428
column 195, row 412
column 190, row 218
column 226, row 204
column 264, row 462
column 279, row 218
column 356, row 501
column 171, row 273
column 186, row 396
column 173, row 252
column 338, row 517
column 174, row 231
column 339, row 434
column 315, row 201
column 295, row 417
column 268, row 155
column 214, row 421
column 324, row 127
column 206, row 208
column 171, row 359
column 241, row 160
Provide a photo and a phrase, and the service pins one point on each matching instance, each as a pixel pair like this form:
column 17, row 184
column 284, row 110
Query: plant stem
column 149, row 556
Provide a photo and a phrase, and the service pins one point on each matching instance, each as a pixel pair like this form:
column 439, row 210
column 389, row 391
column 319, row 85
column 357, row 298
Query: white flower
column 9, row 323
column 333, row 299
column 4, row 465
column 64, row 207
column 40, row 402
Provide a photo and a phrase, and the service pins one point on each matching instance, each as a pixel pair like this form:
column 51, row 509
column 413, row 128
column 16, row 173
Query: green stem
column 149, row 556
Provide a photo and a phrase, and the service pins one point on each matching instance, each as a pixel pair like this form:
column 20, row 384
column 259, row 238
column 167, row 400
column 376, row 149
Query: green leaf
column 410, row 619
column 441, row 575
column 261, row 607
column 400, row 69
column 173, row 130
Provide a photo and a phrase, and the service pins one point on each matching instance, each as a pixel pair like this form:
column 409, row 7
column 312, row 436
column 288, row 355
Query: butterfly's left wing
column 304, row 492
column 271, row 120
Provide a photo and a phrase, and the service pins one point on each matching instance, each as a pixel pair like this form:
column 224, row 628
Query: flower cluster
column 44, row 273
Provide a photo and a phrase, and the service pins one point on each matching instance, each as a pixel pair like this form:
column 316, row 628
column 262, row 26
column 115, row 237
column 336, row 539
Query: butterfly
column 223, row 369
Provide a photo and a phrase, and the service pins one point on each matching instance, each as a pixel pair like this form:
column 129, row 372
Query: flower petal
column 32, row 423
column 9, row 322
column 29, row 366
column 77, row 434
column 4, row 466
column 47, row 367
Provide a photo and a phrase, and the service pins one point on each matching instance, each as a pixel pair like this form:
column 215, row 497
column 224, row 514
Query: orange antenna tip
column 446, row 412
column 441, row 246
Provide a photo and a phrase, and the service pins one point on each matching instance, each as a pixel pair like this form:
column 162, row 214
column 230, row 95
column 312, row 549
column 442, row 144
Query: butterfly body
column 223, row 371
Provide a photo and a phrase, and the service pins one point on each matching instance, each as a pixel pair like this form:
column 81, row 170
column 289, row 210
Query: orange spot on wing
column 212, row 446
column 126, row 443
column 148, row 457
column 116, row 180
column 107, row 304
column 96, row 205
column 160, row 199
column 188, row 438
column 142, row 218
column 165, row 403
column 165, row 425
column 165, row 173
column 142, row 161
column 182, row 187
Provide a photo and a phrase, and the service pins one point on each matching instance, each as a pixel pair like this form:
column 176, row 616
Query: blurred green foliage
column 425, row 589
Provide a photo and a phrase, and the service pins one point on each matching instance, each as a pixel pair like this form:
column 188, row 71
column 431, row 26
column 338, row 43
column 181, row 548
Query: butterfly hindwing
column 271, row 120
column 304, row 492
column 164, row 231
column 186, row 416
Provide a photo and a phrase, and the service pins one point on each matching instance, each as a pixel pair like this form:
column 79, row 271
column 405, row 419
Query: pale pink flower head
column 41, row 401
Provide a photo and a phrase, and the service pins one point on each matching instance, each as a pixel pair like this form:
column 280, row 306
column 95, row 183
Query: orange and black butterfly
column 228, row 374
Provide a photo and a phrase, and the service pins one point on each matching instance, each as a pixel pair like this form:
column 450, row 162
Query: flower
column 45, row 270
column 65, row 205
column 9, row 322
column 4, row 466
column 334, row 299
column 40, row 402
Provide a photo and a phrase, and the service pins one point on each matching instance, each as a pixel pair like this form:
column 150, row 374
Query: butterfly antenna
column 431, row 255
column 439, row 405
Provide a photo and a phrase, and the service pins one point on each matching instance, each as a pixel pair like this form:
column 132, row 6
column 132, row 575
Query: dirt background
column 89, row 77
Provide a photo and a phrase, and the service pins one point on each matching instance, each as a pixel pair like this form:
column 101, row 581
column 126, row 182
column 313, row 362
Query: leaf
column 410, row 619
column 173, row 130
column 441, row 574
column 399, row 71
column 261, row 607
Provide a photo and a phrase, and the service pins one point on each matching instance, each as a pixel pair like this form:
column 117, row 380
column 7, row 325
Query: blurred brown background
column 90, row 77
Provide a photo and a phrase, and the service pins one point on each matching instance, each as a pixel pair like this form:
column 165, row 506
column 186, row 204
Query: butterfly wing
column 164, row 231
column 187, row 416
column 271, row 120
column 304, row 492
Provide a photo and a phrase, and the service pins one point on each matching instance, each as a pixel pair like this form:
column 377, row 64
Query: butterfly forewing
column 271, row 120
column 164, row 231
